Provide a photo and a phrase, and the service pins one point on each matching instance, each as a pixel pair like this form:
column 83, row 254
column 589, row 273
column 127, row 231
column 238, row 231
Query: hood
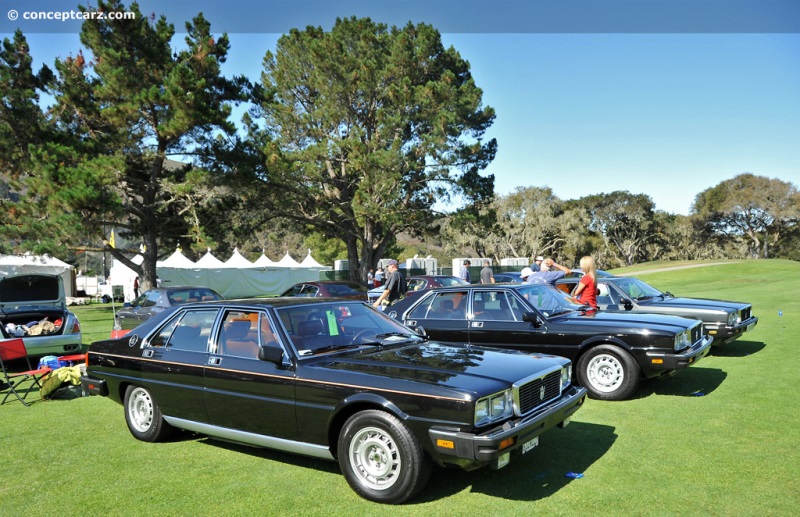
column 693, row 303
column 463, row 368
column 627, row 320
column 31, row 290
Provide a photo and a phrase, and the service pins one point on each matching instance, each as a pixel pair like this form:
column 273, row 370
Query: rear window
column 29, row 288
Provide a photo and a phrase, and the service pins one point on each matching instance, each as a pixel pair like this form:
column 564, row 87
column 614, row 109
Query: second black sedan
column 155, row 301
column 723, row 320
column 613, row 351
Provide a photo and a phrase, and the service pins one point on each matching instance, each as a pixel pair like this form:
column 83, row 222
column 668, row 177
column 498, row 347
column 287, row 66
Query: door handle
column 477, row 324
column 214, row 361
column 148, row 352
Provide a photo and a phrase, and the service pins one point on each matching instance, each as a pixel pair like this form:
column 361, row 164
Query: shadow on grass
column 738, row 349
column 271, row 454
column 538, row 474
column 691, row 382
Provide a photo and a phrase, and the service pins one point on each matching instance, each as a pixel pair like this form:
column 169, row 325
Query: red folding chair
column 11, row 350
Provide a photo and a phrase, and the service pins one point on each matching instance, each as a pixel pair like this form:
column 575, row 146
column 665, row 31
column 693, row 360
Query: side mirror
column 126, row 304
column 627, row 303
column 532, row 317
column 273, row 354
column 420, row 331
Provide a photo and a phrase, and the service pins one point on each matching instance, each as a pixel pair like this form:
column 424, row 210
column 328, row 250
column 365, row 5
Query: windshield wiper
column 644, row 298
column 393, row 334
column 335, row 347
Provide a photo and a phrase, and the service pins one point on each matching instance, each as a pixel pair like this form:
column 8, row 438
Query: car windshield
column 637, row 289
column 548, row 300
column 319, row 328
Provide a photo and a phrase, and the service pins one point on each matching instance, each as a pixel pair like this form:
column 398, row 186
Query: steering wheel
column 363, row 336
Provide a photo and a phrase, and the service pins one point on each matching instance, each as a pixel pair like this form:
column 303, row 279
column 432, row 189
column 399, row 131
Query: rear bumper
column 471, row 451
column 94, row 386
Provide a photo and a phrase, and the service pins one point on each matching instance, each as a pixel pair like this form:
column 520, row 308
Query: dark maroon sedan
column 415, row 284
column 328, row 289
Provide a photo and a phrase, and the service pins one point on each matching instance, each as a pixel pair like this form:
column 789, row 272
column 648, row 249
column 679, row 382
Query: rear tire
column 608, row 373
column 381, row 459
column 144, row 418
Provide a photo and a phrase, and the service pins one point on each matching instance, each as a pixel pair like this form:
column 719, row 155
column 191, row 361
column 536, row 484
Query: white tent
column 309, row 261
column 177, row 259
column 263, row 261
column 120, row 274
column 237, row 260
column 38, row 265
column 287, row 261
column 209, row 261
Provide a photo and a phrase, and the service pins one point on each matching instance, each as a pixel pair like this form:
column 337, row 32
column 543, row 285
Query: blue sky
column 606, row 106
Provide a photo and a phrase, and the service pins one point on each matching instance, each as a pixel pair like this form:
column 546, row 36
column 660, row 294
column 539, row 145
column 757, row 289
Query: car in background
column 508, row 277
column 612, row 351
column 331, row 379
column 417, row 283
column 578, row 273
column 722, row 319
column 157, row 300
column 328, row 289
column 34, row 307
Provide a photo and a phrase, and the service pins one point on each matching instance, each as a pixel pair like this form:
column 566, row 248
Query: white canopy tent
column 177, row 259
column 240, row 278
column 38, row 265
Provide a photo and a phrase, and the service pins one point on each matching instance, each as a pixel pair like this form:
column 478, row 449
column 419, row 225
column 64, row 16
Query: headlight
column 682, row 340
column 566, row 376
column 494, row 408
column 732, row 317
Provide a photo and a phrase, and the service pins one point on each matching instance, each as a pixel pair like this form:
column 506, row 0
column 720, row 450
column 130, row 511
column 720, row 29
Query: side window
column 152, row 299
column 310, row 291
column 267, row 332
column 416, row 284
column 495, row 306
column 422, row 310
column 295, row 290
column 192, row 331
column 449, row 306
column 240, row 333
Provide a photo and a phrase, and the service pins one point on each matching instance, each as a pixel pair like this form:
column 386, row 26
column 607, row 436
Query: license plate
column 565, row 423
column 530, row 445
column 750, row 327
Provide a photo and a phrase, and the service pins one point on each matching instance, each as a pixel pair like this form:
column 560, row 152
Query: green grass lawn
column 720, row 438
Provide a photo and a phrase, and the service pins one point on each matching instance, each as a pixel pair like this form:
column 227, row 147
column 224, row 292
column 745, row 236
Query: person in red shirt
column 586, row 290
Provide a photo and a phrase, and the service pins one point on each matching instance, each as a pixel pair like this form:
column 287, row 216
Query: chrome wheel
column 374, row 458
column 605, row 373
column 140, row 410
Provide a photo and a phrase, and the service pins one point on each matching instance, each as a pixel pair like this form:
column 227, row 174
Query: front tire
column 381, row 459
column 608, row 373
column 144, row 418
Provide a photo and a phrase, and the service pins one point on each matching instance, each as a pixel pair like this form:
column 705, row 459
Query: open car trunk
column 32, row 305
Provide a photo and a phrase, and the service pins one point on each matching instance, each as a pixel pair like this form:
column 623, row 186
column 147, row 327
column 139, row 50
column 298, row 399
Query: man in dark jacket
column 395, row 285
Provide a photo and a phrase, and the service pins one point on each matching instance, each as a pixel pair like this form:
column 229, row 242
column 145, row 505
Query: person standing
column 135, row 287
column 379, row 277
column 547, row 275
column 586, row 290
column 395, row 285
column 371, row 278
column 537, row 264
column 464, row 273
column 487, row 275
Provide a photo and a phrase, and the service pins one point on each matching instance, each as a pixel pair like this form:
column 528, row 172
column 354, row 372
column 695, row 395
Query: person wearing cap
column 464, row 273
column 546, row 275
column 525, row 273
column 395, row 285
column 537, row 264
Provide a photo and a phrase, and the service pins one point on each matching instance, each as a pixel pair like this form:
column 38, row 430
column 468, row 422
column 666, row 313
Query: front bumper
column 725, row 334
column 659, row 362
column 471, row 451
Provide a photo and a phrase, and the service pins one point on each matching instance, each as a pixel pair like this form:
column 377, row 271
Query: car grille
column 697, row 334
column 529, row 395
column 744, row 314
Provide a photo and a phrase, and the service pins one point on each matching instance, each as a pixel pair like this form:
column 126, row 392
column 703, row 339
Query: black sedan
column 332, row 379
column 155, row 301
column 612, row 351
column 723, row 320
